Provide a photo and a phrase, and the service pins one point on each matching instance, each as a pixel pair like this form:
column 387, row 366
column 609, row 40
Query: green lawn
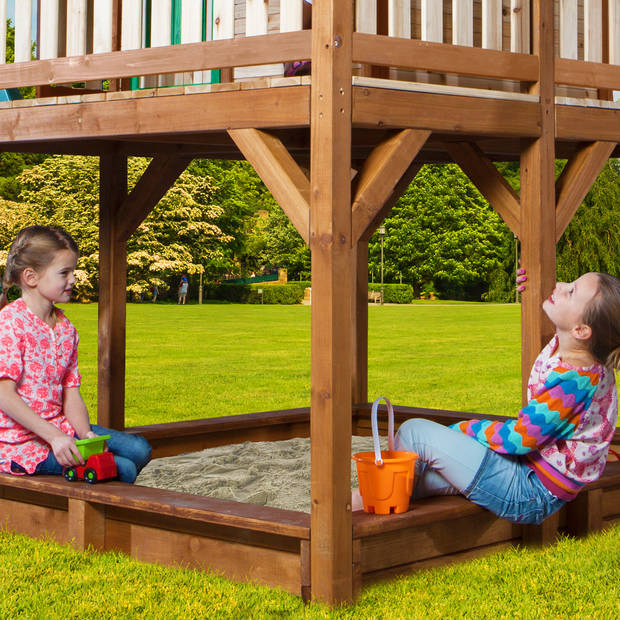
column 197, row 361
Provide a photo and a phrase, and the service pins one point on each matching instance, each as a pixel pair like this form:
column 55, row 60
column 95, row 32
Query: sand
column 273, row 473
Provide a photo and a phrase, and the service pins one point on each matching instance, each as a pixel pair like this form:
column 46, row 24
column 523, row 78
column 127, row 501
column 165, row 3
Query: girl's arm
column 75, row 411
column 62, row 445
column 553, row 414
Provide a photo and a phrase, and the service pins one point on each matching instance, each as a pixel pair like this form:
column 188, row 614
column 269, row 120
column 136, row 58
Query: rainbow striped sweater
column 565, row 429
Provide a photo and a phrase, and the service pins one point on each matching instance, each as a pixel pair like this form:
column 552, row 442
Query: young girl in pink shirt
column 42, row 412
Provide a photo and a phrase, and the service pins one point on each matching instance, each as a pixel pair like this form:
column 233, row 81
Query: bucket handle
column 375, row 428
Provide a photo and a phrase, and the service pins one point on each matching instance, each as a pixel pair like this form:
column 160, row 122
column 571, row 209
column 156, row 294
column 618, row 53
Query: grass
column 198, row 361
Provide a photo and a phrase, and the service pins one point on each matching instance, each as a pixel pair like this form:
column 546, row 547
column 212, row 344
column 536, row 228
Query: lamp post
column 382, row 233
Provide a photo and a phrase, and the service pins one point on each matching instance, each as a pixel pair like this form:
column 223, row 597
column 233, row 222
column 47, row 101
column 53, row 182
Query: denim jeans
column 131, row 454
column 450, row 463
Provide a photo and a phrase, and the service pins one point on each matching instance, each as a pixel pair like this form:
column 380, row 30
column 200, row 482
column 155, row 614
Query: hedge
column 394, row 293
column 291, row 293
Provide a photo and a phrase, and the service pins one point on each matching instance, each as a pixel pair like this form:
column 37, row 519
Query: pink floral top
column 42, row 361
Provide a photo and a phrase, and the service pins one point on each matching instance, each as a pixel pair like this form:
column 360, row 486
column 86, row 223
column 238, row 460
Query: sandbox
column 271, row 545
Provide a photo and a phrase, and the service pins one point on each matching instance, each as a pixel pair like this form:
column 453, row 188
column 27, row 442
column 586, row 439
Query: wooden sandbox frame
column 307, row 139
column 268, row 545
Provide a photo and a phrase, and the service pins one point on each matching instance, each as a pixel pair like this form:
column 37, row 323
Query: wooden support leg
column 332, row 302
column 543, row 534
column 86, row 525
column 585, row 513
column 112, row 294
column 360, row 323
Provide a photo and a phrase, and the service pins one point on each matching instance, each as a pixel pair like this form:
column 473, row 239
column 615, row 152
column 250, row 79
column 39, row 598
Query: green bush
column 394, row 293
column 291, row 293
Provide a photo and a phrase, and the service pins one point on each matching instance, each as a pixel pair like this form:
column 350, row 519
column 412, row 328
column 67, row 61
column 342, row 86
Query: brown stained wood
column 489, row 181
column 86, row 525
column 287, row 106
column 443, row 58
column 281, row 174
column 580, row 124
column 112, row 294
column 234, row 560
column 611, row 504
column 383, row 109
column 360, row 323
column 543, row 534
column 332, row 301
column 157, row 179
column 380, row 174
column 304, row 558
column 585, row 513
column 576, row 180
column 538, row 202
column 463, row 556
column 241, row 51
column 35, row 521
column 587, row 74
column 434, row 539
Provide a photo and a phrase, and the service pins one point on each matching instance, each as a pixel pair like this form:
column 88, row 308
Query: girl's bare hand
column 64, row 449
column 521, row 277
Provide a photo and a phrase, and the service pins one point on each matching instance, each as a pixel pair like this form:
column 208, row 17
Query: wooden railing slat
column 76, row 27
column 366, row 16
column 492, row 24
column 463, row 22
column 131, row 30
column 399, row 18
column 256, row 23
column 568, row 29
column 102, row 32
column 48, row 30
column 291, row 15
column 23, row 26
column 191, row 32
column 3, row 32
column 432, row 20
column 520, row 26
column 592, row 30
column 614, row 32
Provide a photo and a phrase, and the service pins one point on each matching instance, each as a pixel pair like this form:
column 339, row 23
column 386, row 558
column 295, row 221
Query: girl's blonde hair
column 34, row 247
column 603, row 316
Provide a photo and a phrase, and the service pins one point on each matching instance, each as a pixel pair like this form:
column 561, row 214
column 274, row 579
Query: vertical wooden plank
column 432, row 20
column 3, row 32
column 224, row 28
column 585, row 513
column 104, row 25
column 492, row 24
column 463, row 22
column 520, row 26
column 131, row 31
column 399, row 24
column 568, row 29
column 256, row 23
column 543, row 534
column 191, row 32
column 112, row 293
column 332, row 301
column 593, row 30
column 614, row 32
column 291, row 15
column 76, row 27
column 161, row 31
column 23, row 28
column 538, row 200
column 366, row 16
column 360, row 323
column 86, row 525
column 48, row 29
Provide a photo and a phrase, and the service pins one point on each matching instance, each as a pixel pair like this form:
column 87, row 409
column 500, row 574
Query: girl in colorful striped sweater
column 526, row 469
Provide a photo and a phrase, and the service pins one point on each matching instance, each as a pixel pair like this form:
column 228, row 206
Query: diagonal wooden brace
column 576, row 180
column 382, row 172
column 157, row 179
column 280, row 173
column 489, row 181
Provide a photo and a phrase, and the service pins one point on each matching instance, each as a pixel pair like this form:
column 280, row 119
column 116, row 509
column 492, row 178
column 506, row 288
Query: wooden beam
column 280, row 173
column 360, row 324
column 538, row 201
column 379, row 108
column 112, row 293
column 586, row 124
column 332, row 302
column 380, row 174
column 242, row 51
column 443, row 58
column 576, row 180
column 156, row 180
column 586, row 74
column 287, row 106
column 489, row 181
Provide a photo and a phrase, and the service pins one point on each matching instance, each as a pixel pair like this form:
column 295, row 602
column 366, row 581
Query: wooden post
column 332, row 302
column 360, row 323
column 112, row 293
column 538, row 200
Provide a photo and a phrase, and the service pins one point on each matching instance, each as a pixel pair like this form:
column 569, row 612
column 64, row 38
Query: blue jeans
column 131, row 454
column 450, row 463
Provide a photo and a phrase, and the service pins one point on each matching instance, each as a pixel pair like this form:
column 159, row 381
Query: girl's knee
column 412, row 430
column 126, row 469
column 142, row 451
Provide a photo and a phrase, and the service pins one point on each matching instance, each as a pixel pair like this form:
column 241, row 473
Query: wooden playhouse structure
column 394, row 84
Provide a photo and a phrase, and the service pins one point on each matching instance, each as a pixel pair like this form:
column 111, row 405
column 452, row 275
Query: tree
column 443, row 235
column 181, row 235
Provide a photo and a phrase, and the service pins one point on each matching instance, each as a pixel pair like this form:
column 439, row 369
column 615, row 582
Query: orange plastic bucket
column 385, row 477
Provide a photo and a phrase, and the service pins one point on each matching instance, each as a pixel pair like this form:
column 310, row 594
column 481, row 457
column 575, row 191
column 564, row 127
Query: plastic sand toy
column 99, row 464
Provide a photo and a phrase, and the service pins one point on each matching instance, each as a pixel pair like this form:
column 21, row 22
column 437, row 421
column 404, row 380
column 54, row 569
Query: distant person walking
column 155, row 292
column 183, row 290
